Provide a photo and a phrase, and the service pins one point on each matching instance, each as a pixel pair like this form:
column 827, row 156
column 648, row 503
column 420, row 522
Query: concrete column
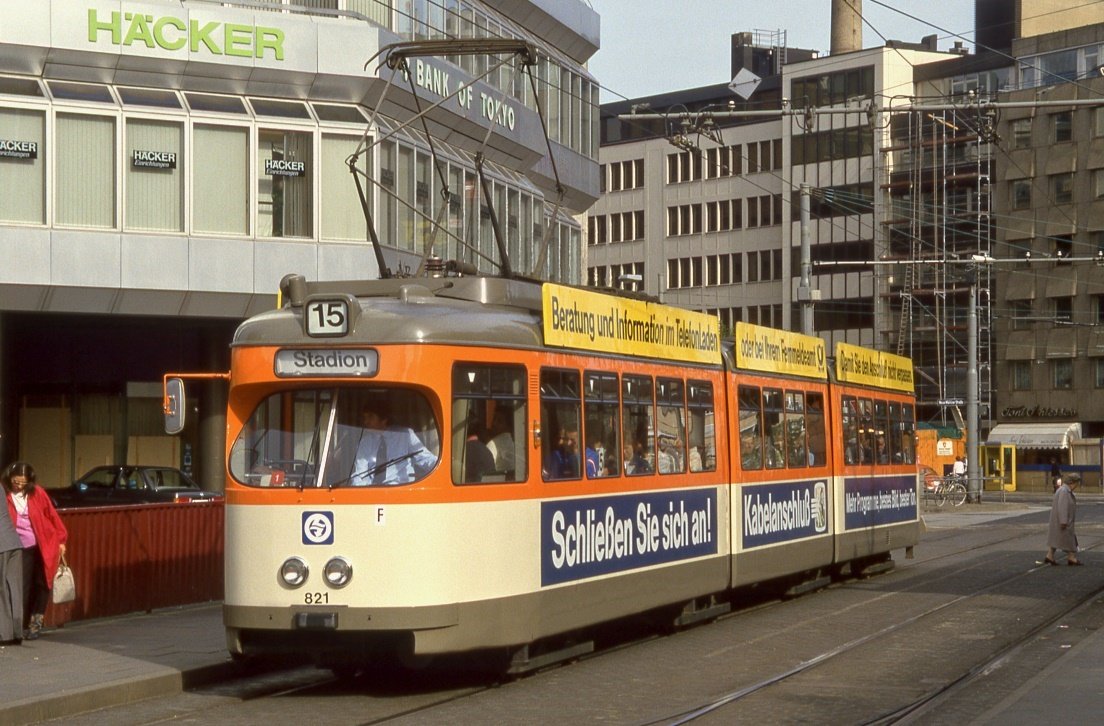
column 211, row 466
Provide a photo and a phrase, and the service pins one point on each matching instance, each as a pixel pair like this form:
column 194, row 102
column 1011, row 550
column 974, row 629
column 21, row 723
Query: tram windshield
column 337, row 437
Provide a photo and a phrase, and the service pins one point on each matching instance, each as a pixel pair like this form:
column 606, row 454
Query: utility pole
column 973, row 485
column 805, row 294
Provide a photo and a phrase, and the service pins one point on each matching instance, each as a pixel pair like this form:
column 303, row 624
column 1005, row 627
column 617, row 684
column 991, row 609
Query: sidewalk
column 110, row 662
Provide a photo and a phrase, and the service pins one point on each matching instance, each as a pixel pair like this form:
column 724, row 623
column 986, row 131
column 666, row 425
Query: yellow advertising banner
column 779, row 351
column 593, row 321
column 867, row 367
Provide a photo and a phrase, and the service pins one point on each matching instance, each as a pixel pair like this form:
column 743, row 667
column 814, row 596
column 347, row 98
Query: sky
column 657, row 46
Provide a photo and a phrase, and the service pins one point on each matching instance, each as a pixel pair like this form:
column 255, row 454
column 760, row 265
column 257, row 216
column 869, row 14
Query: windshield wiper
column 371, row 472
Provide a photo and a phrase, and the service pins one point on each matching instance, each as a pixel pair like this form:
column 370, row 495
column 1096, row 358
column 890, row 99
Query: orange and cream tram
column 449, row 464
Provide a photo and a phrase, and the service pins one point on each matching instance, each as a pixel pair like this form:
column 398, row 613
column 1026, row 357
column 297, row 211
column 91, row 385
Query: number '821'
column 327, row 318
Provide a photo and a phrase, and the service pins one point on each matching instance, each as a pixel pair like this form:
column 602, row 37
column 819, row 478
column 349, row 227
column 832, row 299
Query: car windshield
column 337, row 437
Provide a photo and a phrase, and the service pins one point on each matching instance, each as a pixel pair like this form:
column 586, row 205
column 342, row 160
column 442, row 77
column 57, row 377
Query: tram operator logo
column 318, row 528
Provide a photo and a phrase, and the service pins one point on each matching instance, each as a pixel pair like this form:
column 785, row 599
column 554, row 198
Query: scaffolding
column 936, row 219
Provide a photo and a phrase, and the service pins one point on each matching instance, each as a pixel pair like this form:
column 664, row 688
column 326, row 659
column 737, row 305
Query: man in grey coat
column 1063, row 517
column 11, row 579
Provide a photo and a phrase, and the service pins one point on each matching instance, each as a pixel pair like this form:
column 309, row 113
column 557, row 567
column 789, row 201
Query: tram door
column 999, row 467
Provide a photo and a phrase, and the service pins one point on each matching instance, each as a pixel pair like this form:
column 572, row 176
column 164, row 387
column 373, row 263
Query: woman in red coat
column 43, row 536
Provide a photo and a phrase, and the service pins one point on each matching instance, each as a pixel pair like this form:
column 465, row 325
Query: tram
column 453, row 463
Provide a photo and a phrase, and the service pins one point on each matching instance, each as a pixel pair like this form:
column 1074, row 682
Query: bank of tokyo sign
column 171, row 33
column 586, row 320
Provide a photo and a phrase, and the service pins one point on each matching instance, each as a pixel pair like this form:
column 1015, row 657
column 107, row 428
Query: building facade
column 1050, row 203
column 166, row 163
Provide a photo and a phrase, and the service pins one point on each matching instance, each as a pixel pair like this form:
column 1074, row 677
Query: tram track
column 934, row 696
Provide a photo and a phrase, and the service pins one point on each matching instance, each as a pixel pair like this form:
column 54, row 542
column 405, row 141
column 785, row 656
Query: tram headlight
column 294, row 571
column 338, row 572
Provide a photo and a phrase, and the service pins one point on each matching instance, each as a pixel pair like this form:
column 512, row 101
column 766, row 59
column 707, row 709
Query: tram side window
column 671, row 426
column 882, row 439
column 814, row 422
column 866, row 431
column 775, row 443
column 701, row 430
column 488, row 423
column 797, row 452
column 751, row 432
column 849, row 424
column 602, row 453
column 904, row 428
column 638, row 415
column 560, row 424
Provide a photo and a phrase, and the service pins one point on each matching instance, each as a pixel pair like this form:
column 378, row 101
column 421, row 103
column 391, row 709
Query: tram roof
column 468, row 310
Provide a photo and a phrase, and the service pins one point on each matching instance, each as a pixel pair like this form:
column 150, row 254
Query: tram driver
column 388, row 455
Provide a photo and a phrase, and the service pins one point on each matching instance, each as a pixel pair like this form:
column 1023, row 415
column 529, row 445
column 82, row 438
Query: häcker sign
column 171, row 33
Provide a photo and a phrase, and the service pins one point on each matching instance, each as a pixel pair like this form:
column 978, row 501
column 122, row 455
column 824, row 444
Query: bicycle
column 952, row 489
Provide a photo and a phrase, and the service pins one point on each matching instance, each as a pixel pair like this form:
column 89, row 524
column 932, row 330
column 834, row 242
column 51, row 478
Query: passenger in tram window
column 750, row 455
column 594, row 454
column 666, row 458
column 636, row 463
column 478, row 459
column 564, row 461
column 501, row 444
column 388, row 455
column 695, row 459
column 881, row 454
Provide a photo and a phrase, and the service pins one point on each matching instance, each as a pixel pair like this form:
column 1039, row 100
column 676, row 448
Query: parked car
column 124, row 484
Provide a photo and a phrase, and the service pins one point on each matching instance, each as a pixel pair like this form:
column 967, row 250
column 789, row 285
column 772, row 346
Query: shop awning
column 1035, row 435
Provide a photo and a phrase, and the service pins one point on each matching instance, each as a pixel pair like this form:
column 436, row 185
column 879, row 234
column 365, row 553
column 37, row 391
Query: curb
column 76, row 701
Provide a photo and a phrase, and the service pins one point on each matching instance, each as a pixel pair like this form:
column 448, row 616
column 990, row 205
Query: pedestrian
column 959, row 468
column 1062, row 534
column 11, row 583
column 43, row 536
column 1055, row 473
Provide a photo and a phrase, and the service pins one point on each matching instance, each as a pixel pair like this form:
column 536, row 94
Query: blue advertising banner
column 589, row 537
column 781, row 512
column 870, row 501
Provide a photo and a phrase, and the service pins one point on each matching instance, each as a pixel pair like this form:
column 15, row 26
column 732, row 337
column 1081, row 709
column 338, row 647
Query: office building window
column 220, row 153
column 1021, row 374
column 1063, row 309
column 1062, row 188
column 284, row 189
column 1020, row 313
column 1021, row 133
column 1063, row 373
column 340, row 214
column 1098, row 184
column 23, row 167
column 1063, row 126
column 1098, row 368
column 85, row 171
column 154, row 175
column 1021, row 194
